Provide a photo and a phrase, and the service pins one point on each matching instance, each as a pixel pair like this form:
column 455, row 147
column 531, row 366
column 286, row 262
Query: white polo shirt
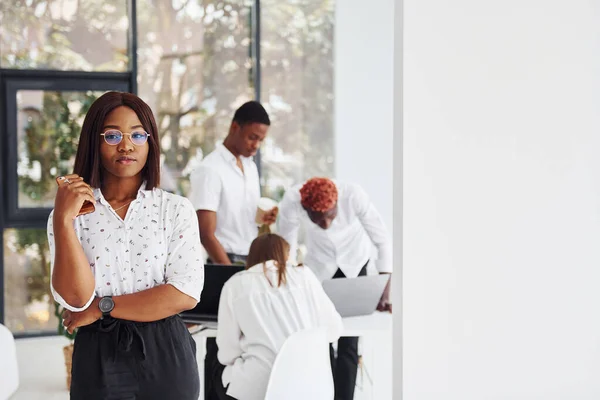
column 219, row 185
column 348, row 242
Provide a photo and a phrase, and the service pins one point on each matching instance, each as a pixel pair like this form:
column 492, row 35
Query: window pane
column 194, row 71
column 82, row 35
column 297, row 87
column 28, row 304
column 48, row 128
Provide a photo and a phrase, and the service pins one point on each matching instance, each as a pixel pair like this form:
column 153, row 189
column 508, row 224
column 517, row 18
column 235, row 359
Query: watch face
column 106, row 304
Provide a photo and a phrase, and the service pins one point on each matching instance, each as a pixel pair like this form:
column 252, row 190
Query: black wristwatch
column 106, row 305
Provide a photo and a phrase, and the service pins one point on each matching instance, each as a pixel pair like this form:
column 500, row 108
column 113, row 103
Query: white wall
column 501, row 199
column 364, row 40
column 364, row 115
column 398, row 199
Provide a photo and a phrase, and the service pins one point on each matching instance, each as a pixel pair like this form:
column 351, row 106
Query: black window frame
column 19, row 217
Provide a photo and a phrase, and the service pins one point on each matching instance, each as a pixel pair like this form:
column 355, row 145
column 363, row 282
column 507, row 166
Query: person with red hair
column 342, row 228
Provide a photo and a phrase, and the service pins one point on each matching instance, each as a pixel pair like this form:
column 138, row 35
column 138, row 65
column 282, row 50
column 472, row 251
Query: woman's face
column 125, row 159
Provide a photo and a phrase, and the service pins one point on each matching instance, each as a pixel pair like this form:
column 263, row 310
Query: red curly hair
column 319, row 194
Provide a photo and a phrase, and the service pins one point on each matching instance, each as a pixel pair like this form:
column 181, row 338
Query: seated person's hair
column 266, row 247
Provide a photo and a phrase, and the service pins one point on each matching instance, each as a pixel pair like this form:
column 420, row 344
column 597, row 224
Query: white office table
column 375, row 323
column 43, row 377
column 375, row 331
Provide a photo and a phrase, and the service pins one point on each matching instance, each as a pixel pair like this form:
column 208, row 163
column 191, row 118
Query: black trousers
column 220, row 391
column 345, row 366
column 115, row 359
column 211, row 372
column 212, row 390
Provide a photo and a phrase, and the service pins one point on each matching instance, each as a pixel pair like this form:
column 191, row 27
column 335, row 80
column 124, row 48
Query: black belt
column 234, row 258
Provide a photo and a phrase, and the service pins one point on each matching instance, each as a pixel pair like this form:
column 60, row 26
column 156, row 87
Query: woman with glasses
column 125, row 271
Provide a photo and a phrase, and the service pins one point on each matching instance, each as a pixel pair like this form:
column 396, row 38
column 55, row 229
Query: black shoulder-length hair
column 87, row 161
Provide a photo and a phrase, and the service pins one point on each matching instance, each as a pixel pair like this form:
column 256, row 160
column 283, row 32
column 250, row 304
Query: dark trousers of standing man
column 211, row 360
column 345, row 366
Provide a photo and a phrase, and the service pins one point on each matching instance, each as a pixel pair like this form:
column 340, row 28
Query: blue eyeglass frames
column 113, row 137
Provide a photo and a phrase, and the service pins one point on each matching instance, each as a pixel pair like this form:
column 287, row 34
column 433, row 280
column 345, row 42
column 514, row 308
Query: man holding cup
column 225, row 188
column 225, row 191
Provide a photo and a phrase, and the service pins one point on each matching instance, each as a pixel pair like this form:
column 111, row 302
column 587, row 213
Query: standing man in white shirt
column 225, row 190
column 342, row 226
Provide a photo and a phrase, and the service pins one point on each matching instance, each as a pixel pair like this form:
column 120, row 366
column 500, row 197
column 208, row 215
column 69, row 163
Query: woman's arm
column 149, row 305
column 152, row 305
column 228, row 331
column 72, row 277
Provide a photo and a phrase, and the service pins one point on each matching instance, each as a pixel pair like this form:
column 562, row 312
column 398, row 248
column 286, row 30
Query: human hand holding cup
column 266, row 212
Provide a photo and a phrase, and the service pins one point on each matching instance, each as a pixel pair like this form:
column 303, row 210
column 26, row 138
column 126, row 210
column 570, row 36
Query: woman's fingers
column 74, row 185
column 85, row 190
column 72, row 193
column 69, row 179
column 82, row 188
column 71, row 176
column 67, row 320
column 90, row 198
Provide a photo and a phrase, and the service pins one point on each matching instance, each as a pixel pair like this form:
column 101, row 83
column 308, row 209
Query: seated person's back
column 260, row 308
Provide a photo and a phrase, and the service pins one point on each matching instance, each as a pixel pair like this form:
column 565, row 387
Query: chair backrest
column 9, row 371
column 302, row 368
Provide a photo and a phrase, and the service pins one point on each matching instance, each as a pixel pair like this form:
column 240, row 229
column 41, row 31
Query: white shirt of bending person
column 157, row 243
column 219, row 185
column 347, row 244
column 256, row 318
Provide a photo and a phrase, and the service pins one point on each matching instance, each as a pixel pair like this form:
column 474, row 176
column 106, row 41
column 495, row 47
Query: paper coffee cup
column 265, row 205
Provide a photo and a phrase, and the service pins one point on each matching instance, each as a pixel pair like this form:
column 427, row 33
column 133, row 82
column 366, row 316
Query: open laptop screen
column 215, row 276
column 356, row 296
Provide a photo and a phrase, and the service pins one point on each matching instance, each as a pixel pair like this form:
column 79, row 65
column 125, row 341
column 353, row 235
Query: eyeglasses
column 113, row 137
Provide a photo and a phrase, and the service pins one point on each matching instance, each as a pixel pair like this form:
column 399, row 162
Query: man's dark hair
column 251, row 112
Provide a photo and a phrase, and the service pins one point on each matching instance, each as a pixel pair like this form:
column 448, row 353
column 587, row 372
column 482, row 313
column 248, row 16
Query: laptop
column 356, row 296
column 206, row 311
